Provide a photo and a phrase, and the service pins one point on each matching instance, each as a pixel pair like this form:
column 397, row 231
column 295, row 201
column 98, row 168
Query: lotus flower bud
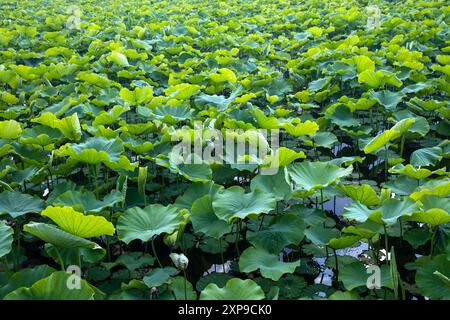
column 179, row 260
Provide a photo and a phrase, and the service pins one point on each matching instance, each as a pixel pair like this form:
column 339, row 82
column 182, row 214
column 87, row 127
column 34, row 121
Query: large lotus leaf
column 402, row 185
column 182, row 91
column 344, row 295
column 276, row 185
column 8, row 98
column 6, row 239
column 316, row 175
column 219, row 279
column 430, row 105
column 30, row 154
column 418, row 174
column 235, row 289
column 269, row 264
column 319, row 84
column 343, row 117
column 434, row 211
column 10, row 129
column 25, row 175
column 355, row 275
column 380, row 140
column 223, row 75
column 436, row 187
column 60, row 238
column 433, row 278
column 364, row 230
column 40, row 135
column 417, row 237
column 432, row 202
column 310, row 216
column 54, row 287
column 182, row 289
column 86, row 201
column 70, row 256
column 387, row 213
column 363, row 63
column 319, row 235
column 264, row 121
column 392, row 209
column 387, row 98
column 168, row 114
column 68, row 126
column 138, row 96
column 358, row 212
column 403, row 125
column 302, row 129
column 123, row 164
column 278, row 86
column 110, row 116
column 205, row 220
column 94, row 79
column 282, row 157
column 322, row 139
column 377, row 79
column 362, row 193
column 419, row 126
column 219, row 102
column 343, row 242
column 195, row 172
column 194, row 192
column 118, row 58
column 25, row 278
column 159, row 276
column 5, row 147
column 145, row 224
column 280, row 232
column 76, row 223
column 426, row 156
column 95, row 150
column 234, row 203
column 17, row 204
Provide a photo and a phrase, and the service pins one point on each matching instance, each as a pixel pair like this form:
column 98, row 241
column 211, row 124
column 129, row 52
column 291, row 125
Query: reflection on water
column 337, row 205
column 219, row 268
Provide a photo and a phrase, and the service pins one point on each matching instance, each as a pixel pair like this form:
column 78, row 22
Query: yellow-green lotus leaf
column 380, row 140
column 307, row 128
column 363, row 193
column 76, row 223
column 10, row 129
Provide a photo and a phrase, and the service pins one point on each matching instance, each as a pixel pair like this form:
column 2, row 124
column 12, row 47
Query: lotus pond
column 352, row 98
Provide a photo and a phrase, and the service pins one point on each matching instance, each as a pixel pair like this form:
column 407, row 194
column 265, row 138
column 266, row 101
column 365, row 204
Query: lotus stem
column 154, row 252
column 238, row 230
column 262, row 221
column 432, row 244
column 321, row 198
column 61, row 261
column 386, row 162
column 386, row 244
column 402, row 145
column 221, row 254
column 337, row 268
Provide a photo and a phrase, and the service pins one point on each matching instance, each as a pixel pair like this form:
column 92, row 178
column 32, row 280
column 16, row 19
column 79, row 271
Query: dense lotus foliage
column 93, row 95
